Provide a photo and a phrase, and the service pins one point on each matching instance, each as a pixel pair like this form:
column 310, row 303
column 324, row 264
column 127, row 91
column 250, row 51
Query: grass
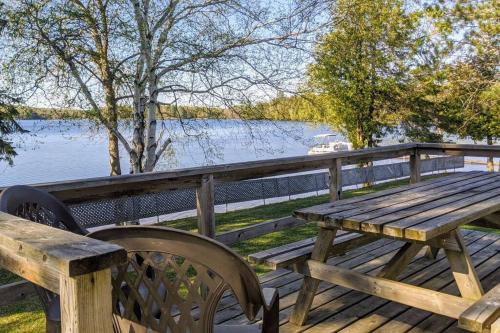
column 27, row 316
column 22, row 317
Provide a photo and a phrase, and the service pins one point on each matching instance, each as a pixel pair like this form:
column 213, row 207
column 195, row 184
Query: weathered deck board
column 339, row 309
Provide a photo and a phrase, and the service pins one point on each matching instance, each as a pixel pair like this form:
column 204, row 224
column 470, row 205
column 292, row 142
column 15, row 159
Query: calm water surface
column 61, row 150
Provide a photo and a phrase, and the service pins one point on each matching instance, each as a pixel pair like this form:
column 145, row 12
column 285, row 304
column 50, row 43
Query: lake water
column 61, row 150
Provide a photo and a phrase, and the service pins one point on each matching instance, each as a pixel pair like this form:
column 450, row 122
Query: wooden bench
column 287, row 256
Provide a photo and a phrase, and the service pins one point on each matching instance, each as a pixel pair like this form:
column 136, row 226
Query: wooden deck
column 336, row 309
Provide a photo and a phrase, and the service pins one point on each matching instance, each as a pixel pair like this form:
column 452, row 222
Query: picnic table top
column 418, row 212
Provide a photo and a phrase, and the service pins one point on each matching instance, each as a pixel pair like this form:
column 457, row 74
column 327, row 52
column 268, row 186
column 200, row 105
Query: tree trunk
column 114, row 155
column 111, row 116
column 151, row 143
column 136, row 156
column 490, row 166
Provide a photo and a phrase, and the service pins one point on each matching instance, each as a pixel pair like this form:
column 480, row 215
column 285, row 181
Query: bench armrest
column 480, row 316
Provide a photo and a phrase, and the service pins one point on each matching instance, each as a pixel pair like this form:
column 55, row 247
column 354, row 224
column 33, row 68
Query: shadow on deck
column 337, row 309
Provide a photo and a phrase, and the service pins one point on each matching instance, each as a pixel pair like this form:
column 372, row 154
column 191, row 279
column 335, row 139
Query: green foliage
column 363, row 65
column 302, row 107
column 8, row 125
column 471, row 92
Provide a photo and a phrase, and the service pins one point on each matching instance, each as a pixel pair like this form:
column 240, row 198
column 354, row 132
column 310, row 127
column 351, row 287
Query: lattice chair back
column 38, row 206
column 173, row 282
column 41, row 207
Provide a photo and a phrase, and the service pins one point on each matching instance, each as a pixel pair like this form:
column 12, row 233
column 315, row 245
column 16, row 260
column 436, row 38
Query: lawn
column 27, row 316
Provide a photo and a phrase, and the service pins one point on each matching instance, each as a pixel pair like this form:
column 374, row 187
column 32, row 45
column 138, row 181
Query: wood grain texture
column 205, row 206
column 81, row 190
column 415, row 168
column 58, row 250
column 341, row 245
column 459, row 149
column 463, row 270
column 310, row 285
column 422, row 298
column 483, row 313
column 360, row 218
column 442, row 224
column 253, row 231
column 418, row 212
column 395, row 223
column 319, row 212
column 401, row 259
column 335, row 180
column 495, row 327
column 336, row 309
column 86, row 303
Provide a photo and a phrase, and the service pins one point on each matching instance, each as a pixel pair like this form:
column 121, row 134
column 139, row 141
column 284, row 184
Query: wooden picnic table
column 427, row 213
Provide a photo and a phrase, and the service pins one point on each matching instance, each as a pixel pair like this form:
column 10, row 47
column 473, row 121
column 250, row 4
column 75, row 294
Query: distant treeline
column 125, row 112
column 296, row 108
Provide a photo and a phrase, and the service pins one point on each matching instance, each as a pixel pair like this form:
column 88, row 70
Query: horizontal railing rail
column 74, row 191
column 80, row 190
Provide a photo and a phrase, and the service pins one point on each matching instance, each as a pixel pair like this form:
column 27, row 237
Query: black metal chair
column 174, row 280
column 39, row 206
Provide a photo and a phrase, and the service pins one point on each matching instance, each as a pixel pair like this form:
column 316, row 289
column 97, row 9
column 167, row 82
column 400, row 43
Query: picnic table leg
column 401, row 259
column 463, row 270
column 310, row 285
column 432, row 252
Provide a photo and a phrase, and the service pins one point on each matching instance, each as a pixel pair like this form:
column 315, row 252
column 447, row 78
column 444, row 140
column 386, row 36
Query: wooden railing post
column 86, row 302
column 415, row 167
column 205, row 206
column 335, row 180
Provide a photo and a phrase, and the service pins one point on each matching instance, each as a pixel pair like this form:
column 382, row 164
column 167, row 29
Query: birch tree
column 156, row 55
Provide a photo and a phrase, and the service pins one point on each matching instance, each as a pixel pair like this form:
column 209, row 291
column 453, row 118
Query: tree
column 8, row 124
column 363, row 66
column 146, row 53
column 471, row 91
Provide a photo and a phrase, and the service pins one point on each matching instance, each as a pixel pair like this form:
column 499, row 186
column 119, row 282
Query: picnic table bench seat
column 484, row 314
column 288, row 255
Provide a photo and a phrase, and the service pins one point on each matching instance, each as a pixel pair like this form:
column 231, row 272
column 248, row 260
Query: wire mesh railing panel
column 302, row 184
column 109, row 211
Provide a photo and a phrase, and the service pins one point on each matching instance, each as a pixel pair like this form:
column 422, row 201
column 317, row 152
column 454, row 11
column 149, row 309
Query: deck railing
column 106, row 198
column 203, row 180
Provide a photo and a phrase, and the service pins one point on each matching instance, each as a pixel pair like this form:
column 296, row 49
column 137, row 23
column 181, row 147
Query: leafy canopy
column 363, row 66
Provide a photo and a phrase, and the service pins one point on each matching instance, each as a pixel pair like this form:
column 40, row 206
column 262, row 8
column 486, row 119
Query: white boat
column 325, row 144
